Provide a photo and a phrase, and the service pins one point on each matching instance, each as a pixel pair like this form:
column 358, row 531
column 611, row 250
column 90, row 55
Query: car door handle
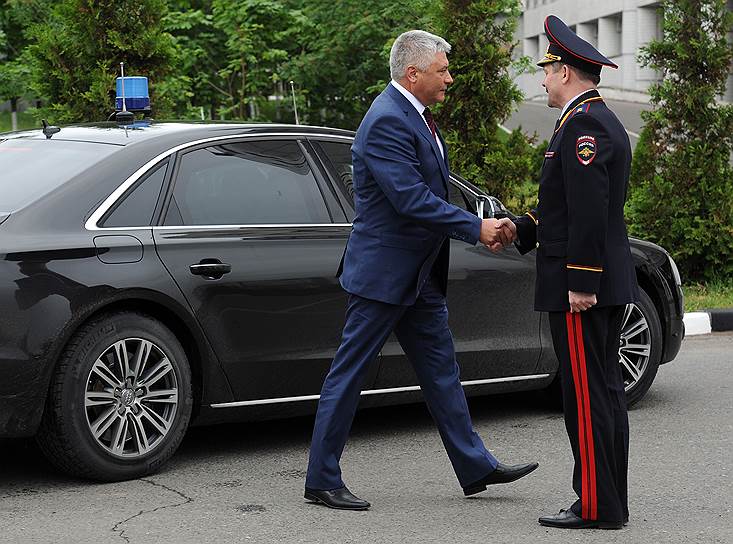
column 210, row 269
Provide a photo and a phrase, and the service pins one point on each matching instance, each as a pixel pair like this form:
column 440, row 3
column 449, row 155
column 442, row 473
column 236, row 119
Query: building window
column 531, row 47
column 609, row 35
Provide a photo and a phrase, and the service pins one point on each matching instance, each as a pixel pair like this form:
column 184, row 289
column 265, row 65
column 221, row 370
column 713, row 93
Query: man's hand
column 497, row 233
column 579, row 302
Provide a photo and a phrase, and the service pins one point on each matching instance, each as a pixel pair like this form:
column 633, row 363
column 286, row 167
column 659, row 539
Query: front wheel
column 640, row 347
column 120, row 400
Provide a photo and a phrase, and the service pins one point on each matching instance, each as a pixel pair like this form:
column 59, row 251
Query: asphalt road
column 243, row 483
column 535, row 116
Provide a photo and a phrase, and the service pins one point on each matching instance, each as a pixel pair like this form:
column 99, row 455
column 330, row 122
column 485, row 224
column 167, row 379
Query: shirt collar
column 411, row 97
column 573, row 99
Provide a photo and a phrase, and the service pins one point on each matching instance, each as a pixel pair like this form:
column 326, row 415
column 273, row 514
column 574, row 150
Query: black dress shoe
column 340, row 499
column 567, row 519
column 503, row 474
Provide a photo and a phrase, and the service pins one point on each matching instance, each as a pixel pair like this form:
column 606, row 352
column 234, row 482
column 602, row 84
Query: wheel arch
column 207, row 377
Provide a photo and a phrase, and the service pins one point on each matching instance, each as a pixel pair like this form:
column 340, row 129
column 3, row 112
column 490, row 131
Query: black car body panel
column 655, row 275
column 260, row 337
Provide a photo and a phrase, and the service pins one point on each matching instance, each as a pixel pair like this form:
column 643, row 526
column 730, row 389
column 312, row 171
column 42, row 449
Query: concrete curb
column 706, row 322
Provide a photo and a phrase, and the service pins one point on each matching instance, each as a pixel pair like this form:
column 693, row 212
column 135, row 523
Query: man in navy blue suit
column 395, row 269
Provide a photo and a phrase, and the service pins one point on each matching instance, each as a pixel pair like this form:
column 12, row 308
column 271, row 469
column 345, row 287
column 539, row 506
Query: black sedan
column 164, row 274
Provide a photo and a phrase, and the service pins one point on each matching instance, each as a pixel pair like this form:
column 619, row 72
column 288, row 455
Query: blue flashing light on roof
column 134, row 89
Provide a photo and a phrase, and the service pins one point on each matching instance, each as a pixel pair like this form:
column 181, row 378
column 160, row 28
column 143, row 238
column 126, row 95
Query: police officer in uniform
column 585, row 274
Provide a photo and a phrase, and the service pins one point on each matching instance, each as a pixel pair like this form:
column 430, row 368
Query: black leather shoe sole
column 582, row 524
column 313, row 498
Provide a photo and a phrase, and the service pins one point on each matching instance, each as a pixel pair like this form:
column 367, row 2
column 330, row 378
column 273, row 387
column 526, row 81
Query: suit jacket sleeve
column 586, row 150
column 392, row 160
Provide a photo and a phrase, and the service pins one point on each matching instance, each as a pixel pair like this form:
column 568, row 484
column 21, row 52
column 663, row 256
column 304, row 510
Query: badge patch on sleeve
column 585, row 149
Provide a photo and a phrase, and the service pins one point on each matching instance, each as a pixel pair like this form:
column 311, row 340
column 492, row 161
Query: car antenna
column 295, row 105
column 124, row 117
column 49, row 130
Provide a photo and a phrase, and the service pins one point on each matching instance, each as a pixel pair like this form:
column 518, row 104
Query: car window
column 33, row 168
column 248, row 183
column 137, row 208
column 462, row 199
column 337, row 157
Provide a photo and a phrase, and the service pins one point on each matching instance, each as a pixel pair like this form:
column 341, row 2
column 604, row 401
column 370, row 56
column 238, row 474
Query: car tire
column 641, row 327
column 120, row 399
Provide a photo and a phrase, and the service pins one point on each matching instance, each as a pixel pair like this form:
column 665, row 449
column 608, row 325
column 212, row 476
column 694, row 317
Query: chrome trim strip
column 374, row 391
column 91, row 223
column 273, row 226
column 219, row 227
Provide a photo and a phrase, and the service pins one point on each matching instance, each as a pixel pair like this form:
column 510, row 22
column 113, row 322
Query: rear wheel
column 120, row 401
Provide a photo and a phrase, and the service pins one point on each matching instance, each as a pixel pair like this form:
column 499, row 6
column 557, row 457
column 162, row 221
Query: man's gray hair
column 414, row 48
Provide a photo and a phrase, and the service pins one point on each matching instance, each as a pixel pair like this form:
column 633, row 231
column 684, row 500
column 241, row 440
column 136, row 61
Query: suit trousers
column 594, row 402
column 422, row 330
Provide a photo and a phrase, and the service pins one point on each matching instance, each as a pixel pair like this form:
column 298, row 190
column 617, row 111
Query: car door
column 490, row 298
column 250, row 239
column 491, row 304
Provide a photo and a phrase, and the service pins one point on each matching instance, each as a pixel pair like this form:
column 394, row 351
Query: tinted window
column 252, row 183
column 460, row 198
column 337, row 157
column 137, row 208
column 33, row 168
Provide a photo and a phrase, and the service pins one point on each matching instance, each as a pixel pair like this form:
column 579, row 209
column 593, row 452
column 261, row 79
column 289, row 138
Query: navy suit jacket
column 403, row 221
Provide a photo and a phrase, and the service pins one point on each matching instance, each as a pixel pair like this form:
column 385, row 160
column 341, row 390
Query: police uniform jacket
column 578, row 226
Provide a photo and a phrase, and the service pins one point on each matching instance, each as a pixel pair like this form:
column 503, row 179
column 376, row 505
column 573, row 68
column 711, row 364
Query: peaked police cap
column 569, row 48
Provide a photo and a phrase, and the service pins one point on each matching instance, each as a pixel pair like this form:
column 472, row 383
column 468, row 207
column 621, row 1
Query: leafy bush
column 682, row 179
column 75, row 51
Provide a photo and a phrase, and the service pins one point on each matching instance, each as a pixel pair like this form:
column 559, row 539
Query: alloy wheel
column 131, row 398
column 635, row 346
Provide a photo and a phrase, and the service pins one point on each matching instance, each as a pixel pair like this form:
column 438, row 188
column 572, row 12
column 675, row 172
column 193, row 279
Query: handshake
column 497, row 234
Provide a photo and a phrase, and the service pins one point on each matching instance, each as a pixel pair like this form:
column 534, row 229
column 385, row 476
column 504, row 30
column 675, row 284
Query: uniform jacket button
column 537, row 244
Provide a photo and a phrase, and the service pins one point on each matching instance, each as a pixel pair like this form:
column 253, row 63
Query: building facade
column 617, row 28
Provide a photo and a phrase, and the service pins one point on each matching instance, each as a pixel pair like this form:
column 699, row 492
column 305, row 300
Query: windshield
column 30, row 169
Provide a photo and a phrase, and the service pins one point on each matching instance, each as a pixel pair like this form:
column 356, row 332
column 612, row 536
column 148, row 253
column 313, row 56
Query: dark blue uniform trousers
column 422, row 330
column 586, row 344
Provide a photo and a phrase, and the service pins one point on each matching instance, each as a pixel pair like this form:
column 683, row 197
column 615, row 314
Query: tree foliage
column 682, row 179
column 482, row 96
column 75, row 54
column 14, row 69
column 259, row 35
column 343, row 57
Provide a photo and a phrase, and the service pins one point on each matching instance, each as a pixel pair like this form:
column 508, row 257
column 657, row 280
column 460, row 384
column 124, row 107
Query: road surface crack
column 186, row 500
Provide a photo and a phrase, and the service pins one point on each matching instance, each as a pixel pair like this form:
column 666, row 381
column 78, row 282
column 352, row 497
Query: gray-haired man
column 395, row 269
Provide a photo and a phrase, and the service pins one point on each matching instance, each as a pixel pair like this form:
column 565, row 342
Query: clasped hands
column 497, row 234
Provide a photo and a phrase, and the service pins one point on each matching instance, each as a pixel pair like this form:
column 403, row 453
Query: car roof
column 114, row 134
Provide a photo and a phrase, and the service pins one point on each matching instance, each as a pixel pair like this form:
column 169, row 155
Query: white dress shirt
column 420, row 109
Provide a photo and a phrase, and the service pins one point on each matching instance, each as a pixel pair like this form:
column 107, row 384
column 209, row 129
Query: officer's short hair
column 415, row 48
column 585, row 76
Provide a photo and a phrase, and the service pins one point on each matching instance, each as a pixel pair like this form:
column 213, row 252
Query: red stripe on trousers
column 584, row 496
column 589, row 424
